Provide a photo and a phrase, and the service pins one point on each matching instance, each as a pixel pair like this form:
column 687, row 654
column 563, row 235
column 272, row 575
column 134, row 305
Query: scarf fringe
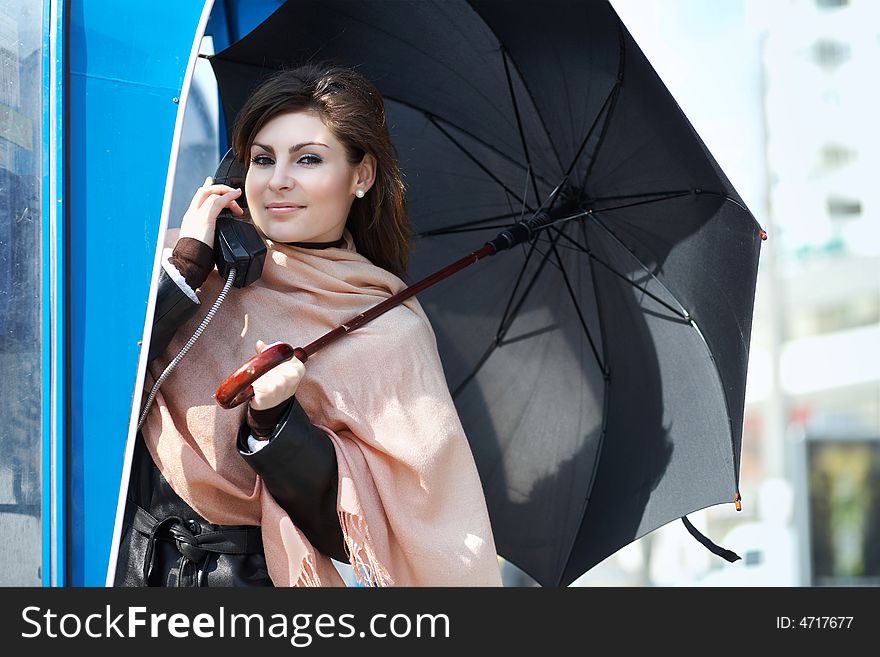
column 368, row 570
column 308, row 572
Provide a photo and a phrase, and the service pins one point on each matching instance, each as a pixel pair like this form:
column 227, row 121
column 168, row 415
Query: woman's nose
column 281, row 180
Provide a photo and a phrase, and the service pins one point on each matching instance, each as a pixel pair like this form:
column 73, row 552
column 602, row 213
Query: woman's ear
column 366, row 173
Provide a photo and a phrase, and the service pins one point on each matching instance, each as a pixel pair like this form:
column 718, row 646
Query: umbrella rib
column 550, row 200
column 508, row 316
column 606, row 395
column 623, row 277
column 546, row 254
column 519, row 124
column 420, row 48
column 473, row 159
column 522, row 271
column 622, row 197
column 599, row 114
column 505, row 325
column 577, row 306
column 472, row 229
column 537, row 109
column 669, row 196
column 433, row 118
column 522, row 211
column 455, row 227
column 476, row 369
column 567, row 247
column 612, row 98
column 683, row 312
column 709, row 351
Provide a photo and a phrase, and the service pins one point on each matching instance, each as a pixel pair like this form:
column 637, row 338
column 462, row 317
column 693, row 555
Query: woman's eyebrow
column 293, row 149
column 307, row 143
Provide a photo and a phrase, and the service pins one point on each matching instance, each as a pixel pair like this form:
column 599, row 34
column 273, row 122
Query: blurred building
column 813, row 403
column 823, row 148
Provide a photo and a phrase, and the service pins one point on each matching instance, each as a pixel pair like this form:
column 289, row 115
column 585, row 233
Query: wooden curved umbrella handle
column 237, row 389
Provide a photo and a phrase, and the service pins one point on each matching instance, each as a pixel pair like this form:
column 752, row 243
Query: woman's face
column 300, row 185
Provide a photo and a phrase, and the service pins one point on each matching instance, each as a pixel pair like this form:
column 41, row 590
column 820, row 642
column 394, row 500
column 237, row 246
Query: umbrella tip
column 763, row 234
column 737, row 500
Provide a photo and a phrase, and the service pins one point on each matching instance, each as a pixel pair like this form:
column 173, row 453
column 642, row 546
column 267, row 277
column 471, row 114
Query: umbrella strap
column 709, row 545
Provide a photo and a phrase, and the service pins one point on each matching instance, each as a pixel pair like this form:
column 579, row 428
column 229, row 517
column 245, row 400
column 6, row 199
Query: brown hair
column 354, row 111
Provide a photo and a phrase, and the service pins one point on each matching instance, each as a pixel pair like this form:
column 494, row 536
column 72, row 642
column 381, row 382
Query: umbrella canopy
column 599, row 368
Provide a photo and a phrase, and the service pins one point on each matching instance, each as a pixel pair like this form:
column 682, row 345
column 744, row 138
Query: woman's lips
column 284, row 209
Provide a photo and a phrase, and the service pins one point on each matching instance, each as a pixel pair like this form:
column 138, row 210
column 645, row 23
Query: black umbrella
column 599, row 368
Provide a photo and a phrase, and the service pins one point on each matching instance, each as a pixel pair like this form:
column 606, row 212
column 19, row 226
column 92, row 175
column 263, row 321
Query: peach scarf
column 410, row 501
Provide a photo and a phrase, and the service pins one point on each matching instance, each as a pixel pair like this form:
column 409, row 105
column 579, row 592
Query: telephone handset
column 236, row 243
column 238, row 247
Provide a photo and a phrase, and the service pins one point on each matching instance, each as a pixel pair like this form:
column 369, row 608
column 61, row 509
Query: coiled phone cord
column 179, row 357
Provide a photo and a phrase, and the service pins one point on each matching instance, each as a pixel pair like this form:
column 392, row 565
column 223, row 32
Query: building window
column 844, row 208
column 835, row 156
column 829, row 53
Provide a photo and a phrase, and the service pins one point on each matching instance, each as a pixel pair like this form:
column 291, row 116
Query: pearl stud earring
column 359, row 193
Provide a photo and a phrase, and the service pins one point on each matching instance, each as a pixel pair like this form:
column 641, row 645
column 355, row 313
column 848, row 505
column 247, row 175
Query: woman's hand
column 201, row 217
column 278, row 384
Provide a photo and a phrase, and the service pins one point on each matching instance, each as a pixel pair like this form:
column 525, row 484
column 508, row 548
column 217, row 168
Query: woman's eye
column 310, row 160
column 262, row 160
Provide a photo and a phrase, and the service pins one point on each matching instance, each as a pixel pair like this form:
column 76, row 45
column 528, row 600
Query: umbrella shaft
column 395, row 300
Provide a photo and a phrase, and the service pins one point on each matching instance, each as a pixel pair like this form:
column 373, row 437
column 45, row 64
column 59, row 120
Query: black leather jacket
column 165, row 542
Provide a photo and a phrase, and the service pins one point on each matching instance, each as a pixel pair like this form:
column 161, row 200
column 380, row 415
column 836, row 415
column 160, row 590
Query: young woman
column 357, row 455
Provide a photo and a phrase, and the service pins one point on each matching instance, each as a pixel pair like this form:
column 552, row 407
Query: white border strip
column 151, row 302
column 55, row 329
